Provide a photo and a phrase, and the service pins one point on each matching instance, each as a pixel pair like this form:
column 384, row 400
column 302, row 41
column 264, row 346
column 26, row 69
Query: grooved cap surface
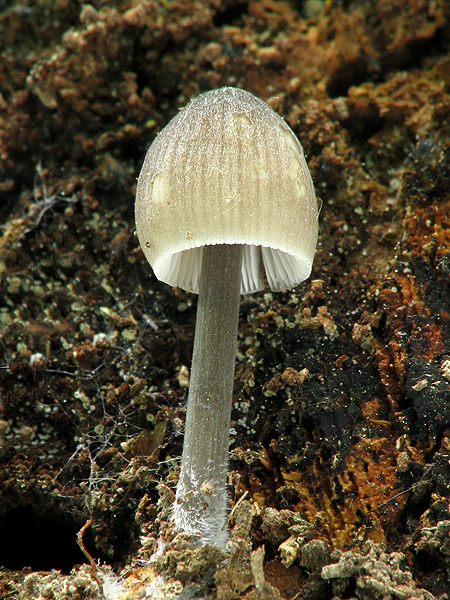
column 227, row 170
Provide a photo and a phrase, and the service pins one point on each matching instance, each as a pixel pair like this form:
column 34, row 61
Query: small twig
column 233, row 510
column 88, row 556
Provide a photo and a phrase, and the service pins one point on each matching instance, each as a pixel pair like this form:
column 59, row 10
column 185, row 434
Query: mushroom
column 225, row 205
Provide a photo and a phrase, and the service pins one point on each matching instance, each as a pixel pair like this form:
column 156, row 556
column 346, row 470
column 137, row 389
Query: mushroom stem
column 201, row 505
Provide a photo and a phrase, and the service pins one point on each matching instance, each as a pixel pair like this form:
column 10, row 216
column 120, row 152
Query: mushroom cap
column 227, row 170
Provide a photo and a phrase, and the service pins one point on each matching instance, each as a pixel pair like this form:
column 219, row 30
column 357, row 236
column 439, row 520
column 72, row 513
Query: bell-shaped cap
column 227, row 170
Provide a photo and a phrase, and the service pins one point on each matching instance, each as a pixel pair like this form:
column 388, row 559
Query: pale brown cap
column 227, row 170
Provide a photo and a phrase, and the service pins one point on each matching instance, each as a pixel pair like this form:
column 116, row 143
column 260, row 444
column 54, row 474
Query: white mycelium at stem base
column 225, row 205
